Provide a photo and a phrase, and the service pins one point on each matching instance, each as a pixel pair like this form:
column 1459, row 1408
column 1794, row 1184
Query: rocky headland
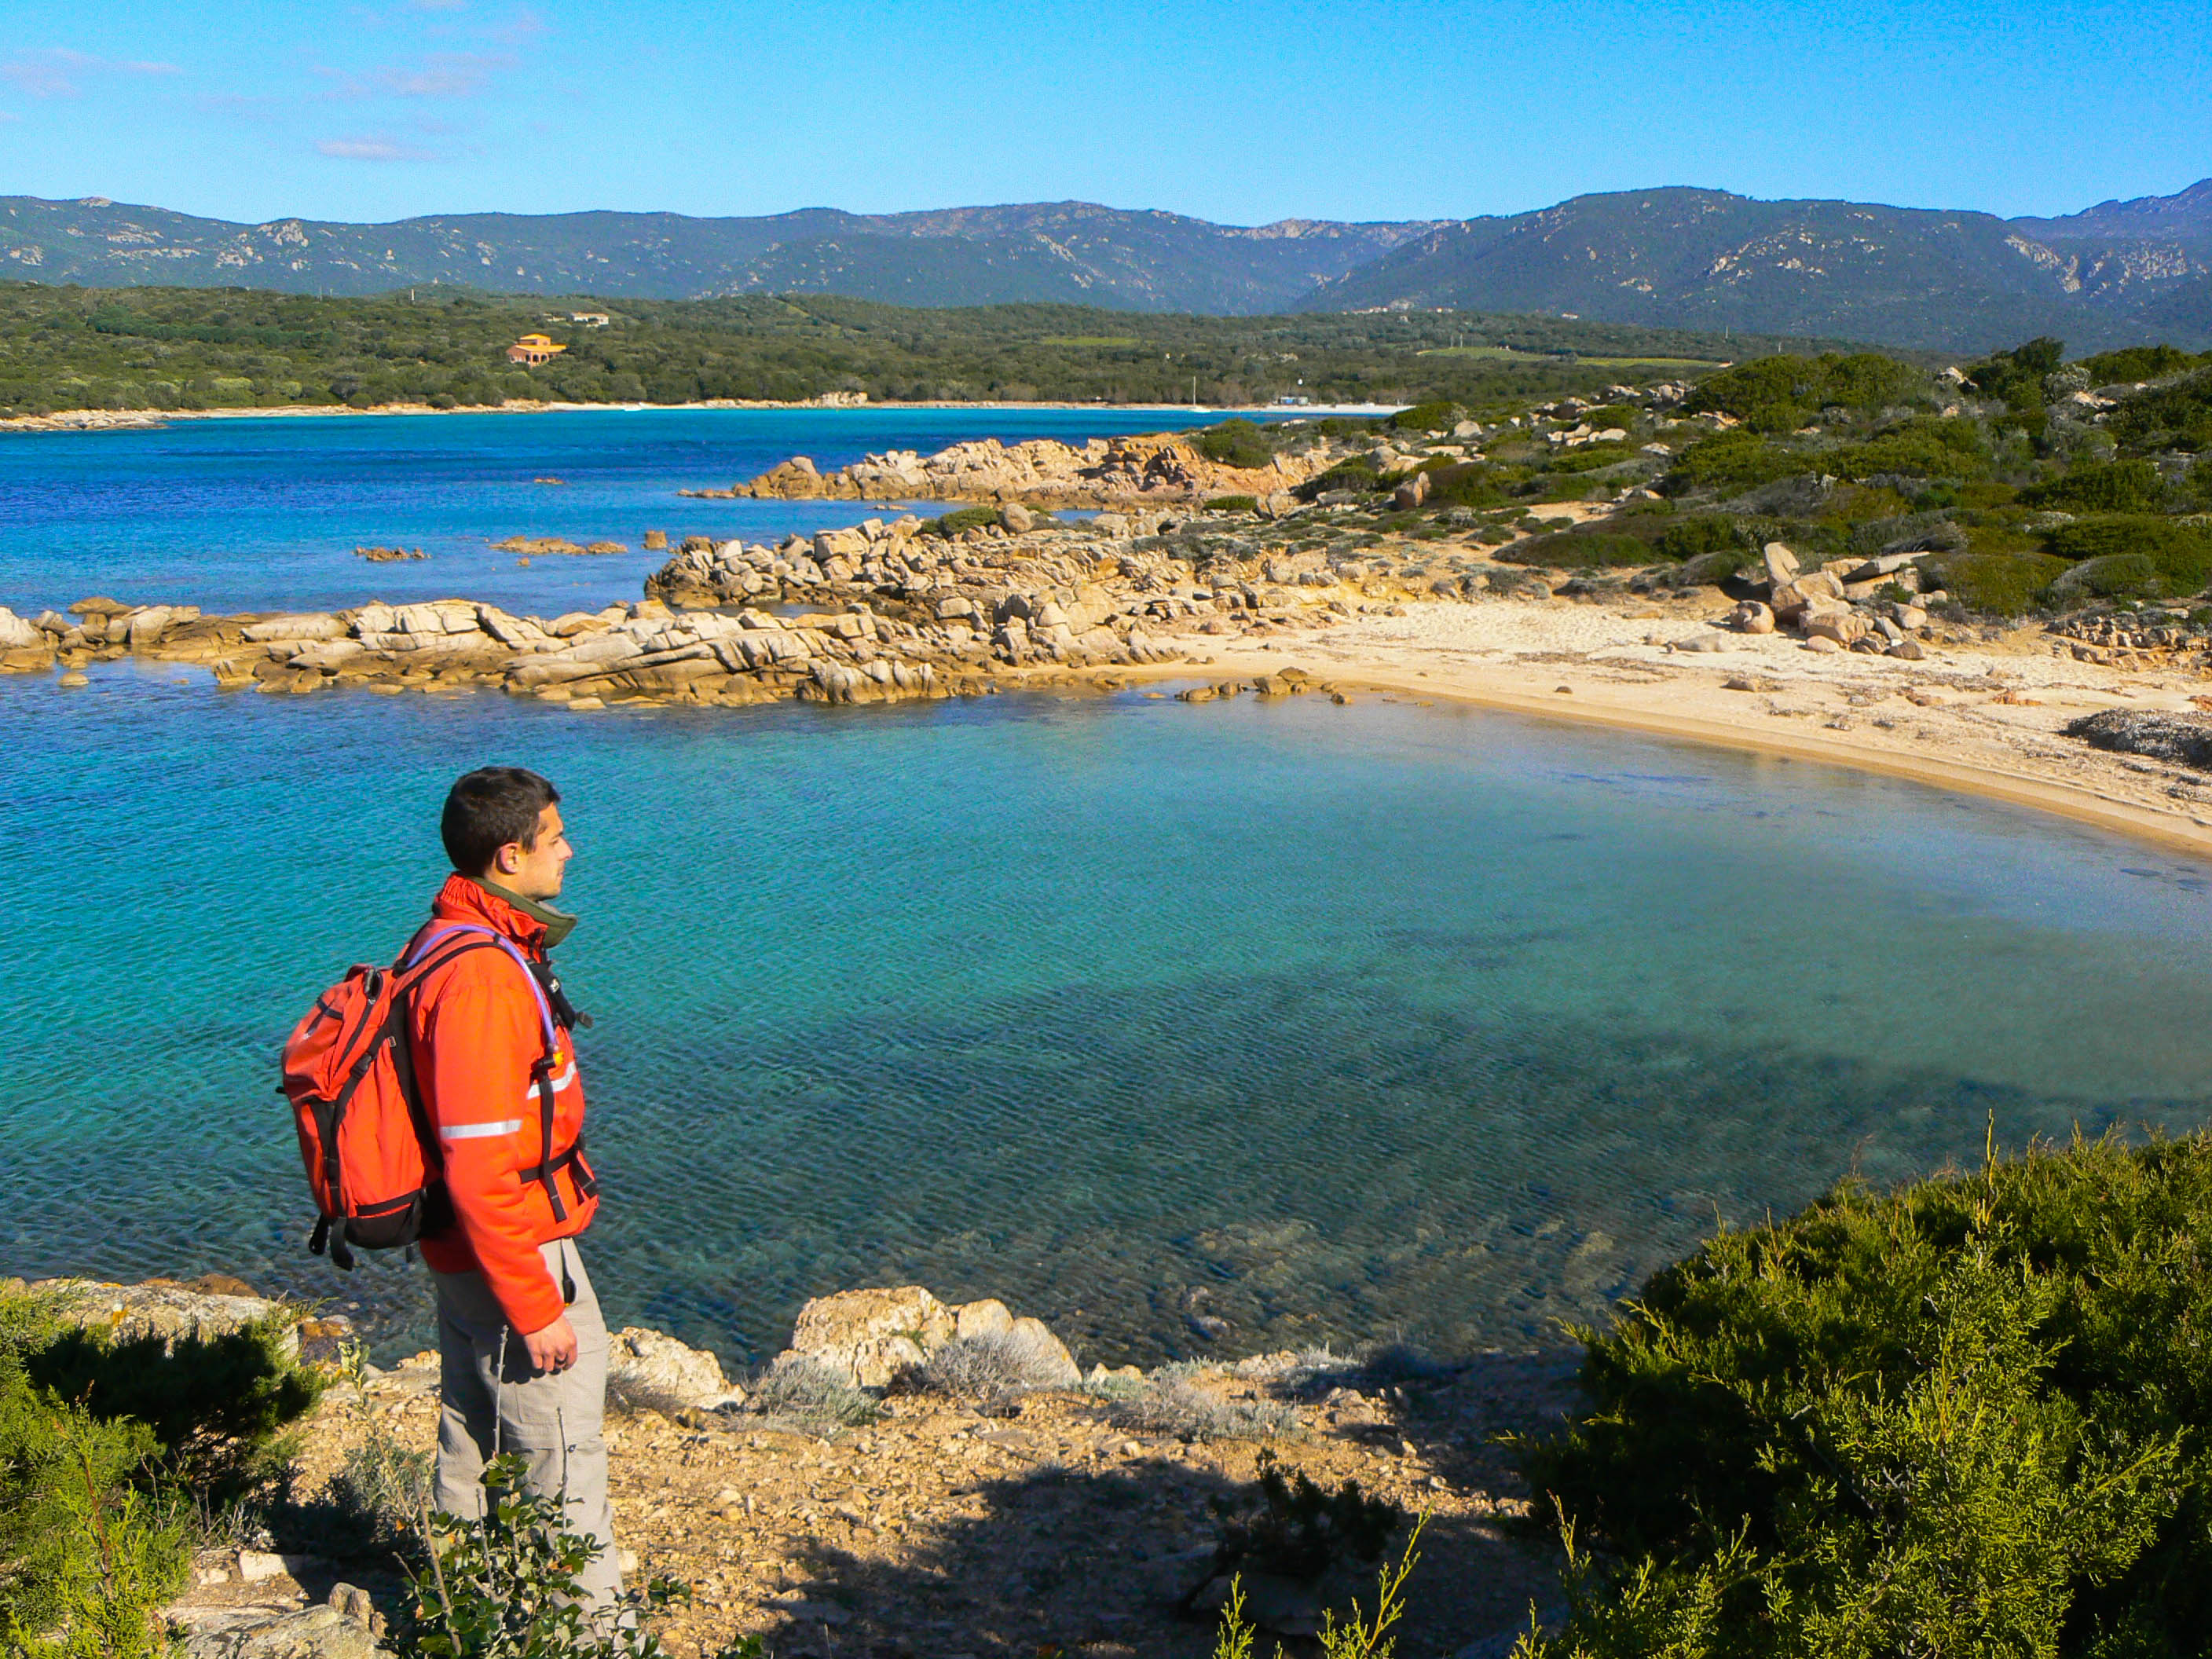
column 1157, row 467
column 914, row 1476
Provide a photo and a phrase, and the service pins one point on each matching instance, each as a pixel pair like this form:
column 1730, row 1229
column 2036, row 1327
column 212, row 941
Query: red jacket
column 478, row 1035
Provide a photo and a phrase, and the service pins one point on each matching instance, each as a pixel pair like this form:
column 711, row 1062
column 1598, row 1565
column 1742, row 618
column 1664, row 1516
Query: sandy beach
column 1982, row 717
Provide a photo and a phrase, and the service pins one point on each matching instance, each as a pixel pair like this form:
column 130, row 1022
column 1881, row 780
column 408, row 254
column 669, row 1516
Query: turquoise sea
column 1329, row 1022
column 241, row 514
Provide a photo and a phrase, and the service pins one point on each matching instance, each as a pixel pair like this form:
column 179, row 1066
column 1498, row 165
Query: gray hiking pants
column 494, row 1402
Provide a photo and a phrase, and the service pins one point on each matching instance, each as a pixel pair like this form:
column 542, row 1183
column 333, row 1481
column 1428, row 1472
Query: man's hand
column 554, row 1348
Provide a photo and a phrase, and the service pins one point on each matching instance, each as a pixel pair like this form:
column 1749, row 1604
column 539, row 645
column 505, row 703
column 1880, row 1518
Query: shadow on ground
column 1066, row 1558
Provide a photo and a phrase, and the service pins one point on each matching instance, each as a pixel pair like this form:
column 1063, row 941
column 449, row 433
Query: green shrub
column 2151, row 362
column 1700, row 532
column 86, row 1555
column 1233, row 504
column 1558, row 487
column 1925, row 446
column 1436, row 416
column 506, row 1586
column 2181, row 552
column 1239, row 443
column 2015, row 377
column 1358, row 473
column 968, row 518
column 1611, row 415
column 1779, row 394
column 1583, row 549
column 1297, row 1529
column 1967, row 1417
column 2116, row 576
column 1730, row 462
column 216, row 1406
column 2101, row 487
column 1590, row 457
column 1464, row 484
column 2176, row 416
column 87, row 1550
column 2001, row 584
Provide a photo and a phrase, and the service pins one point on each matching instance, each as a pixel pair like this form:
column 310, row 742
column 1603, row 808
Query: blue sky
column 1242, row 113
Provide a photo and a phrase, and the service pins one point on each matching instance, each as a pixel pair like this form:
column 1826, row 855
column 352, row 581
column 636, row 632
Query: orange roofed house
column 533, row 350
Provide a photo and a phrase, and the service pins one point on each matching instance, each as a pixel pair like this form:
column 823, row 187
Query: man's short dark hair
column 487, row 809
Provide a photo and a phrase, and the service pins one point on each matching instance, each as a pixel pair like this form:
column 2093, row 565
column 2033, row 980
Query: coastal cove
column 1322, row 1023
column 262, row 512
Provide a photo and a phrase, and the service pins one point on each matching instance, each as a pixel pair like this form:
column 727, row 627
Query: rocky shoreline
column 910, row 1476
column 1858, row 660
column 1043, row 471
column 880, row 611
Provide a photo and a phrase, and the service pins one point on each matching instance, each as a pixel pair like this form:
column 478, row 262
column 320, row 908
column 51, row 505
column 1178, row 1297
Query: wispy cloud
column 58, row 72
column 439, row 75
column 445, row 75
column 374, row 146
column 521, row 26
column 437, row 5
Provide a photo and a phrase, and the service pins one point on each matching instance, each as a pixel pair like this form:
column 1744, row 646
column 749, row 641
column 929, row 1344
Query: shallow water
column 264, row 515
column 1332, row 1023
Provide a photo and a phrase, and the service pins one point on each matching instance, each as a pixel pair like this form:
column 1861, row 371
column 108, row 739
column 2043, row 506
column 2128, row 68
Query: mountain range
column 2113, row 274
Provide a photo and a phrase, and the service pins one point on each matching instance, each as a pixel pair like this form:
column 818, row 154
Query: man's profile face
column 535, row 872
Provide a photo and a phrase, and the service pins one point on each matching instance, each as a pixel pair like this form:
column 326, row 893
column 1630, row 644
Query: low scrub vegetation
column 1967, row 1417
column 508, row 1585
column 1239, row 443
column 1173, row 1404
column 812, row 1397
column 1780, row 394
column 967, row 518
column 108, row 1450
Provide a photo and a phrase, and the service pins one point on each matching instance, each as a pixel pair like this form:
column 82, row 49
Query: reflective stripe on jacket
column 478, row 1037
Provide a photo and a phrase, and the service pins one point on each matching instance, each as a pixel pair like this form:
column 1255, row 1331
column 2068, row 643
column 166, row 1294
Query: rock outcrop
column 646, row 1367
column 1156, row 466
column 1847, row 604
column 204, row 1309
column 340, row 1629
column 2179, row 739
column 870, row 1337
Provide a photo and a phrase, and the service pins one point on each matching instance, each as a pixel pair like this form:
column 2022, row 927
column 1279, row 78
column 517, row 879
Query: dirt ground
column 1054, row 1524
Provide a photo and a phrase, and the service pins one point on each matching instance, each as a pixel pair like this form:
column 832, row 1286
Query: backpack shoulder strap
column 541, row 1073
column 424, row 955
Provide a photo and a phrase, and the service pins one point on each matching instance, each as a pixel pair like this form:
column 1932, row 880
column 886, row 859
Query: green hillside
column 1074, row 253
column 1702, row 258
column 1953, row 281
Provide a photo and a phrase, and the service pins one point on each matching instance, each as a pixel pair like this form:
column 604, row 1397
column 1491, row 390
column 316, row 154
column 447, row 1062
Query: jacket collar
column 536, row 927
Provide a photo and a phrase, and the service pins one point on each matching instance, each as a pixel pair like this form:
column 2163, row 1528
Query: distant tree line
column 187, row 348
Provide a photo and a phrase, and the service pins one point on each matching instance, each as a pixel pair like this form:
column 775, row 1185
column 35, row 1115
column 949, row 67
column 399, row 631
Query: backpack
column 366, row 1138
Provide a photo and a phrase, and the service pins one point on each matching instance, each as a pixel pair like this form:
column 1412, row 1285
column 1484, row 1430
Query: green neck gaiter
column 557, row 924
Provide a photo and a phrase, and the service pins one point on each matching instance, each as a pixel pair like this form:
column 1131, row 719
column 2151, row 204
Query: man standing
column 522, row 1348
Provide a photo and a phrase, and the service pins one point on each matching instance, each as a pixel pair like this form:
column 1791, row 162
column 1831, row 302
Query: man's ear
column 508, row 859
